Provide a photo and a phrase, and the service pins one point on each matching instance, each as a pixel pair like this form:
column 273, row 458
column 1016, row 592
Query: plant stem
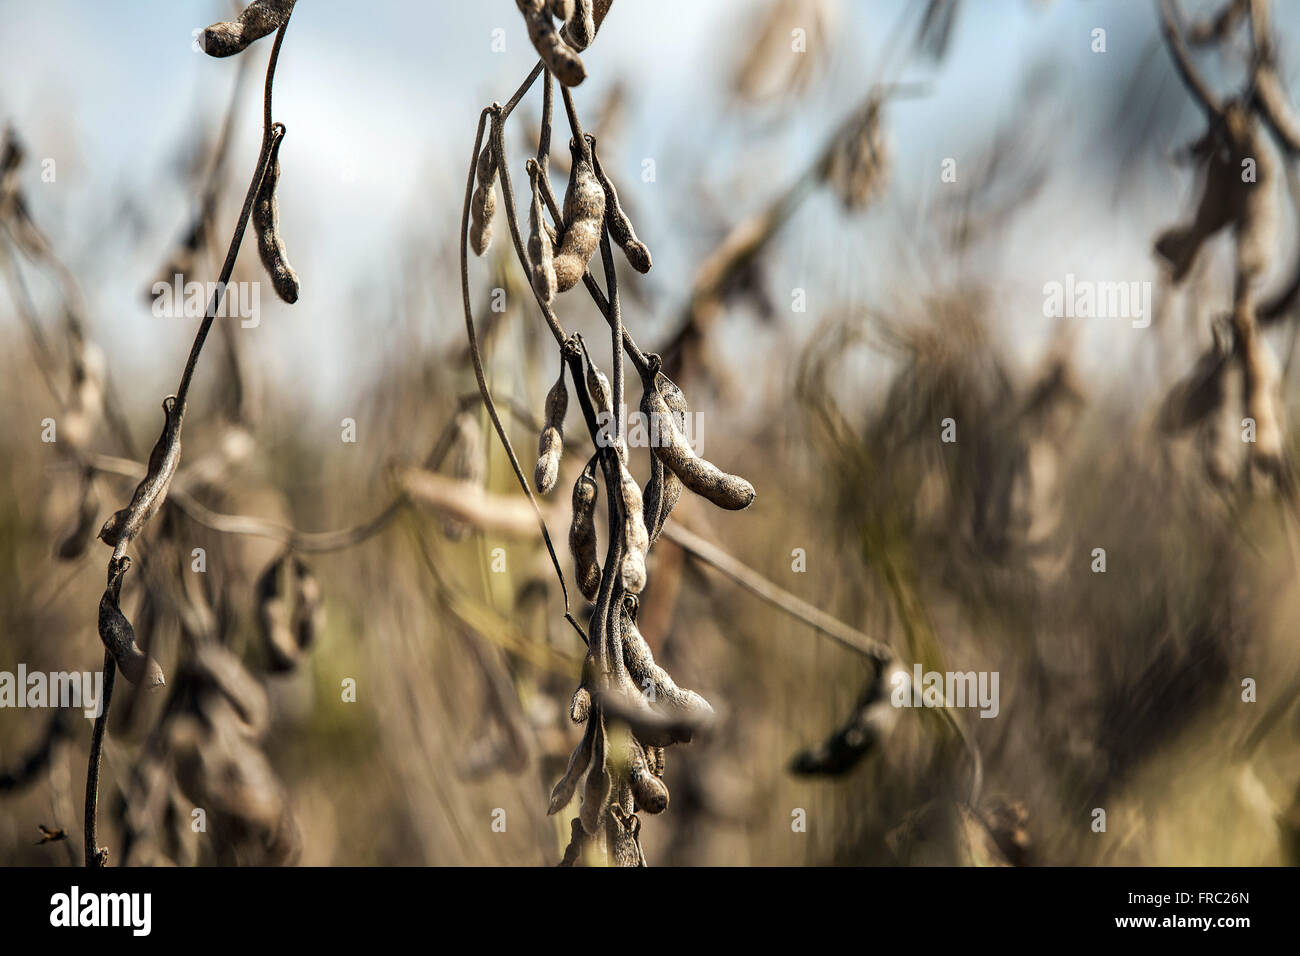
column 95, row 857
column 232, row 252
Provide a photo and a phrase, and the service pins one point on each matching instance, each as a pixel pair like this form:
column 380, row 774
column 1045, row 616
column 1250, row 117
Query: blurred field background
column 924, row 300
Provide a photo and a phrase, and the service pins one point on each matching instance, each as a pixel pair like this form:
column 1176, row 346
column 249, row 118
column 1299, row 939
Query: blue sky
column 381, row 99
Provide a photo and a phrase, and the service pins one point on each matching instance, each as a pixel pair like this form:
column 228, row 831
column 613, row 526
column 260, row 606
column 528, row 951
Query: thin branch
column 756, row 584
column 94, row 855
column 97, row 856
column 232, row 253
column 1187, row 72
column 548, row 110
column 615, row 330
column 1267, row 91
column 480, row 377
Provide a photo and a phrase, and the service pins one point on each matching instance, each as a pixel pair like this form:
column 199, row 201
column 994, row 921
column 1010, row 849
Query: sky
column 381, row 101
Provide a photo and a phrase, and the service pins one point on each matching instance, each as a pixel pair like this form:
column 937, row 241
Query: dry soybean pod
column 580, row 705
column 258, row 19
column 579, row 760
column 654, row 681
column 595, row 795
column 578, row 841
column 541, row 241
column 555, row 53
column 649, row 791
column 582, row 532
column 560, row 9
column 654, row 757
column 676, row 403
column 584, row 214
column 653, row 498
column 655, row 726
column 266, row 223
column 700, row 476
column 872, row 719
column 671, row 495
column 483, row 204
column 581, row 28
column 602, row 403
column 122, row 528
column 550, row 443
column 636, row 538
column 119, row 638
column 274, row 616
column 664, row 488
column 620, row 227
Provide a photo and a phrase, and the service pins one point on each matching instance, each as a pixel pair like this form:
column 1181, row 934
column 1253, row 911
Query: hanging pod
column 258, row 19
column 483, row 204
column 125, row 524
column 582, row 532
column 541, row 241
column 558, row 56
column 266, row 223
column 620, row 226
column 699, row 475
column 550, row 443
column 584, row 214
column 116, row 633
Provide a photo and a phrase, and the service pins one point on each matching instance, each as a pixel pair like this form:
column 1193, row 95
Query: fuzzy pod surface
column 483, row 204
column 636, row 537
column 617, row 221
column 596, row 792
column 558, row 56
column 699, row 475
column 581, row 27
column 666, row 696
column 541, row 242
column 582, row 533
column 550, row 443
column 560, row 9
column 258, row 19
column 584, row 214
column 647, row 788
column 579, row 761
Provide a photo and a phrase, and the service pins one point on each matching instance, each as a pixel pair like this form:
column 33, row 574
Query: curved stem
column 498, row 147
column 232, row 252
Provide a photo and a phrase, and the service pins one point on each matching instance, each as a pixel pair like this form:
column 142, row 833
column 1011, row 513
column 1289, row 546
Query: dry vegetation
column 498, row 659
